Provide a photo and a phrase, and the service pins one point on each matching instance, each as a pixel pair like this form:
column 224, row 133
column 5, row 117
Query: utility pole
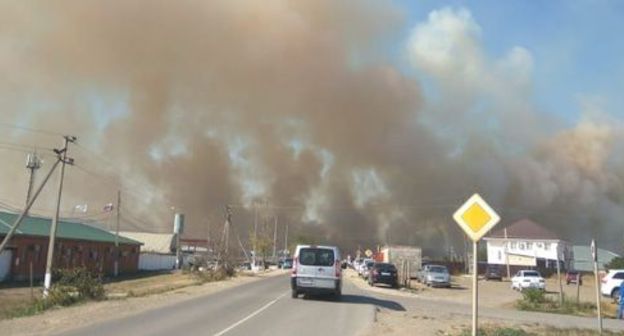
column 507, row 254
column 21, row 217
column 286, row 239
column 255, row 237
column 32, row 163
column 116, row 267
column 275, row 239
column 50, row 258
column 228, row 222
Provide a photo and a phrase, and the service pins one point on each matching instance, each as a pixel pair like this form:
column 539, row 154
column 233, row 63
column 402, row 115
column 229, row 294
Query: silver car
column 436, row 276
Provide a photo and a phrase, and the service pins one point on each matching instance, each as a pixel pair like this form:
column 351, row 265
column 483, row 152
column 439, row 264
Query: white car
column 317, row 270
column 366, row 267
column 610, row 284
column 527, row 279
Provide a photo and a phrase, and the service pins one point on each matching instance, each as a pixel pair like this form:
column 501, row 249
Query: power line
column 29, row 129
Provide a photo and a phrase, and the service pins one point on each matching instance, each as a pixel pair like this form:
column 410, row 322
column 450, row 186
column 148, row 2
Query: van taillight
column 294, row 271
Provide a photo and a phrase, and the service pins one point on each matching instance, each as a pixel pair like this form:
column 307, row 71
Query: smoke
column 196, row 105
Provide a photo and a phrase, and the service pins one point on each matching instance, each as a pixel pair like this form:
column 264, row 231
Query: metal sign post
column 594, row 251
column 476, row 218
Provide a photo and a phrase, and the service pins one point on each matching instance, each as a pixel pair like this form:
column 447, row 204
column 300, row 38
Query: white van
column 316, row 270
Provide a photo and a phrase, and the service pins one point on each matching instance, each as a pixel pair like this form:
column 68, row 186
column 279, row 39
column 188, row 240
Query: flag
column 109, row 207
column 81, row 208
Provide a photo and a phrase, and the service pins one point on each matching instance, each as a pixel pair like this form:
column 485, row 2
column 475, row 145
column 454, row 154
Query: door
column 316, row 267
column 5, row 264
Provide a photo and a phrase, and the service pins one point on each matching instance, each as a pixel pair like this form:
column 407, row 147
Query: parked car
column 362, row 266
column 384, row 273
column 493, row 272
column 366, row 267
column 571, row 277
column 435, row 276
column 527, row 279
column 356, row 264
column 611, row 283
column 287, row 263
column 317, row 270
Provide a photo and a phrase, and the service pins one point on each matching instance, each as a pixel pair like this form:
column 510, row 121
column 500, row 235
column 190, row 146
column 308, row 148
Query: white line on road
column 224, row 331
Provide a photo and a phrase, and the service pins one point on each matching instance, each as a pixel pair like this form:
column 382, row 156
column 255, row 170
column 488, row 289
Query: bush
column 498, row 332
column 213, row 275
column 81, row 282
column 615, row 263
column 533, row 295
column 536, row 300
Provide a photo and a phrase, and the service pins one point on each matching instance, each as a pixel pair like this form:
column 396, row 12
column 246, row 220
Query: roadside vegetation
column 536, row 300
column 70, row 287
column 505, row 331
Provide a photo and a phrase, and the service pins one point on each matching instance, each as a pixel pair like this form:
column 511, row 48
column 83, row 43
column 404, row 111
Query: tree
column 615, row 263
column 263, row 244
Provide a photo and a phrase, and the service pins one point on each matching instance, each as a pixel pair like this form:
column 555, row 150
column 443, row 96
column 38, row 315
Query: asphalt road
column 263, row 307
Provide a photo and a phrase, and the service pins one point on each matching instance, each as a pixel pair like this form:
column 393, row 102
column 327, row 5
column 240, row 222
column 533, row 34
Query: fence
column 156, row 262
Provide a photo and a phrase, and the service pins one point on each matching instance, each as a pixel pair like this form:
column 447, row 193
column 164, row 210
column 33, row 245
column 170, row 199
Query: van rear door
column 317, row 263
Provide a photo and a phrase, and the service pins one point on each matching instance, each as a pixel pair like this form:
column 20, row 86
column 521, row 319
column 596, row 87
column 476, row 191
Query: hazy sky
column 368, row 117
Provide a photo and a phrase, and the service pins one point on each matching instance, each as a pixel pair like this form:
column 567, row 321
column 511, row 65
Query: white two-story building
column 525, row 244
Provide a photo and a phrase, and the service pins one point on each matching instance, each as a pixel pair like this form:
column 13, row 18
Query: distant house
column 157, row 252
column 583, row 259
column 526, row 244
column 77, row 244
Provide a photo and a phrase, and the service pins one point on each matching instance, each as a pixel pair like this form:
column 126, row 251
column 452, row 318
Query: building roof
column 164, row 243
column 39, row 226
column 525, row 229
column 583, row 259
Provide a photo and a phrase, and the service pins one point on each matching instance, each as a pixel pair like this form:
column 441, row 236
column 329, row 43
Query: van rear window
column 316, row 257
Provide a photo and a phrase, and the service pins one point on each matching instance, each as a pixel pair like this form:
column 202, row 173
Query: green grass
column 536, row 300
column 548, row 331
column 498, row 331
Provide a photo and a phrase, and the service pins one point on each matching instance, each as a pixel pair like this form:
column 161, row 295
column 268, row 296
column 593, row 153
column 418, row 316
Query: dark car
column 493, row 273
column 571, row 277
column 287, row 263
column 383, row 273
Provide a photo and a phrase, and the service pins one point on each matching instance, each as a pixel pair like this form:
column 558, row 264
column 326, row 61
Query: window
column 619, row 275
column 500, row 255
column 546, row 246
column 529, row 246
column 316, row 257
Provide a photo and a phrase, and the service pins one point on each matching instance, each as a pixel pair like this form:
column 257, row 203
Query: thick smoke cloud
column 201, row 104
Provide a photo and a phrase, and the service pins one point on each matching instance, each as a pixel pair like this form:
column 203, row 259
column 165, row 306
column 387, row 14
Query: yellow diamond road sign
column 476, row 217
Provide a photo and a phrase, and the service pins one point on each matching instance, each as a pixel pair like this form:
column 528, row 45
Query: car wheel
column 614, row 294
column 338, row 294
column 294, row 294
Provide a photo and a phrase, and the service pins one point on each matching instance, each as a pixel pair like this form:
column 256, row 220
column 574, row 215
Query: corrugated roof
column 153, row 242
column 583, row 259
column 525, row 229
column 38, row 226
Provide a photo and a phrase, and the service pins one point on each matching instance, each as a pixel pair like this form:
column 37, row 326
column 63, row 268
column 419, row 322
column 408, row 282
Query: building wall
column 95, row 256
column 156, row 262
column 5, row 264
column 541, row 249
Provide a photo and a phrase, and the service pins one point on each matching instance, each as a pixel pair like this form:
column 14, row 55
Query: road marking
column 226, row 330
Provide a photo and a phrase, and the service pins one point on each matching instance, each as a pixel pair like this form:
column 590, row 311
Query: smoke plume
column 290, row 108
